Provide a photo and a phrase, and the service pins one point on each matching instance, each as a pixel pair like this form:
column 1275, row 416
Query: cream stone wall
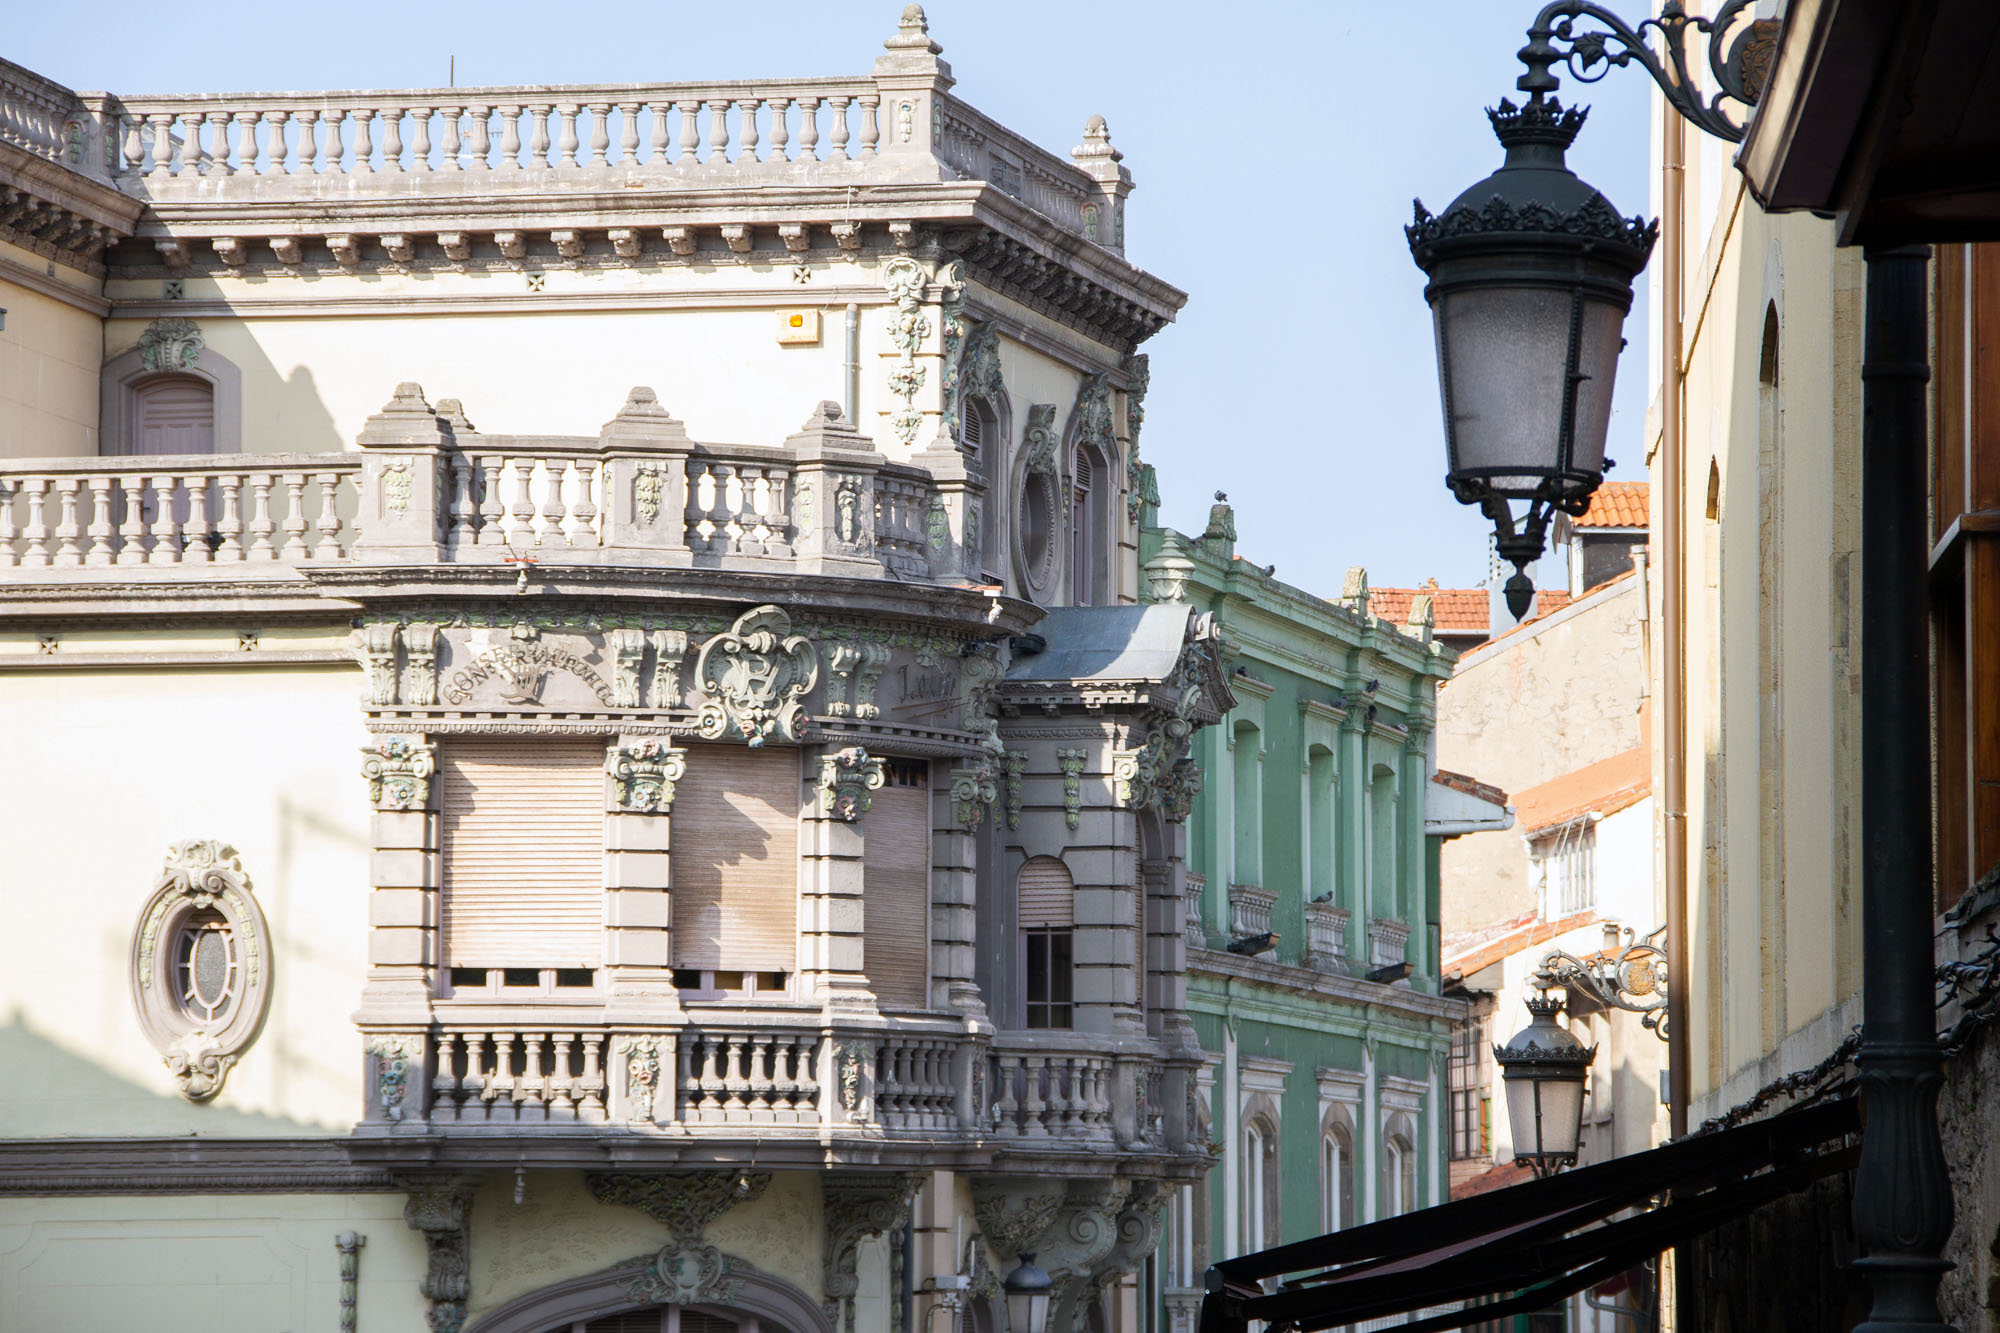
column 1542, row 701
column 1773, row 638
column 107, row 768
column 202, row 1263
column 51, row 351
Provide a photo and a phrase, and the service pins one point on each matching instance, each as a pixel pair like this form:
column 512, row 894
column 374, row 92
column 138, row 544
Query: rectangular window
column 896, row 881
column 735, row 836
column 1469, row 1094
column 522, row 841
column 1569, row 865
column 1049, row 973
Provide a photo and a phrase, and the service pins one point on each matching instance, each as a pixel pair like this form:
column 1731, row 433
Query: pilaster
column 1410, row 896
column 1351, row 843
column 403, row 870
column 831, row 905
column 640, row 777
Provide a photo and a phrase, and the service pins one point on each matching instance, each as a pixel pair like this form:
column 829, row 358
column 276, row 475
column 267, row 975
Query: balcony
column 560, row 1085
column 1326, row 937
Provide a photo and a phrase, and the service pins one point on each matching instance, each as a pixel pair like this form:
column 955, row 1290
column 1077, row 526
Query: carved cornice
column 54, row 1167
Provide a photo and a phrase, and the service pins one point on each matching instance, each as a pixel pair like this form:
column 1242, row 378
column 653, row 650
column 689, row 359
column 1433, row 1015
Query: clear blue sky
column 1275, row 147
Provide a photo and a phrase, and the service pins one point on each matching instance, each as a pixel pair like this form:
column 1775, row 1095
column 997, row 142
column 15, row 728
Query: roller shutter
column 1046, row 894
column 736, row 860
column 895, row 949
column 522, row 829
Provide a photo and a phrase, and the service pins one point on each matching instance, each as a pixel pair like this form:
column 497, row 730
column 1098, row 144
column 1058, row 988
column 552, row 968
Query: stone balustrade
column 494, row 1075
column 748, row 1076
column 1049, row 1095
column 44, row 118
column 177, row 509
column 1195, row 886
column 1326, row 937
column 1388, row 942
column 1250, row 910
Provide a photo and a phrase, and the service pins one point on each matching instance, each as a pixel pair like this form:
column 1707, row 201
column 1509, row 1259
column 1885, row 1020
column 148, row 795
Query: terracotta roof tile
column 1486, row 948
column 1497, row 1177
column 1453, row 610
column 1485, row 791
column 1617, row 504
column 1609, row 785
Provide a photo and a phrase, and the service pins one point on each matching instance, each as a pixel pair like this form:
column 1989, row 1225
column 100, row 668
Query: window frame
column 126, row 373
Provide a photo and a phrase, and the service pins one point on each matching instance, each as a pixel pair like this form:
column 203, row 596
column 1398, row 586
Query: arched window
column 1260, row 1183
column 1382, row 888
column 1336, row 1173
column 1085, row 561
column 981, row 441
column 1399, row 1170
column 669, row 1319
column 172, row 414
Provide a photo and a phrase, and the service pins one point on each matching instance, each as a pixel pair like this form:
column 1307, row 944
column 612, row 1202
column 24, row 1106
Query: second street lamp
column 1530, row 281
column 1545, row 1069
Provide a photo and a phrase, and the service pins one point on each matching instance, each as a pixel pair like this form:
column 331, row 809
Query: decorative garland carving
column 903, row 278
column 438, row 1211
column 399, row 769
column 951, row 314
column 202, row 892
column 348, row 1244
column 979, row 365
column 858, row 1205
column 645, row 770
column 1071, row 764
column 845, row 778
column 850, row 1058
column 753, row 676
column 170, row 344
column 1015, row 764
column 648, row 486
column 392, row 1055
column 1139, row 373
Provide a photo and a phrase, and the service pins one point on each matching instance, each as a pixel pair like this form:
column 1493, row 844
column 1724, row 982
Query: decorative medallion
column 753, row 676
column 170, row 344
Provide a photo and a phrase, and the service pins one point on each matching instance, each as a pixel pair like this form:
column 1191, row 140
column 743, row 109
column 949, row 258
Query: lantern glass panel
column 1504, row 355
column 1602, row 336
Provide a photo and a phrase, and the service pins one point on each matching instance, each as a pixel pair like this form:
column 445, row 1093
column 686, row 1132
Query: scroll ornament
column 845, row 778
column 646, row 771
column 753, row 676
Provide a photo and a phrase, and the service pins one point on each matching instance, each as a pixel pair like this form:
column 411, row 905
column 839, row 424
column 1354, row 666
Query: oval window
column 207, row 966
column 1037, row 526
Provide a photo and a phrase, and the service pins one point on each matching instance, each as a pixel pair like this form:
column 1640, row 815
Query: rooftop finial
column 1096, row 141
column 913, row 32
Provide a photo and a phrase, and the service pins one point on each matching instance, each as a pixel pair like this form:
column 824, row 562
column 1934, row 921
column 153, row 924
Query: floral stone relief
column 753, row 677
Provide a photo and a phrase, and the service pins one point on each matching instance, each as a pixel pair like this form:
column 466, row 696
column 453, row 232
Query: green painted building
column 1311, row 914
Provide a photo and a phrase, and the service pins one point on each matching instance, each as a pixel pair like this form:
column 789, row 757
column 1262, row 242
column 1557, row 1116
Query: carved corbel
column 288, row 250
column 846, row 777
column 513, row 244
column 231, row 250
column 398, row 769
column 628, row 654
column 737, row 236
column 402, row 248
column 867, row 676
column 795, row 236
column 680, row 240
column 626, row 242
column 645, row 771
column 457, row 246
column 847, row 235
column 669, row 651
column 858, row 1206
column 973, row 789
column 420, row 641
column 1039, row 442
column 687, row 1270
column 841, row 659
column 438, row 1208
column 376, row 643
column 173, row 252
column 568, row 243
column 345, row 248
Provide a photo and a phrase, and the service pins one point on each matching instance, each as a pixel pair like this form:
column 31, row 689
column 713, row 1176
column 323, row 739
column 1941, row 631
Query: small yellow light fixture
column 798, row 327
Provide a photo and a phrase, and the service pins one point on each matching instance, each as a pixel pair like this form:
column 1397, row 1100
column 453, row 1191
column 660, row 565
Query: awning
column 1535, row 1243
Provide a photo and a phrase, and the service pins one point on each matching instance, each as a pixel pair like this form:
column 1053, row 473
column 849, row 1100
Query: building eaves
column 1605, row 787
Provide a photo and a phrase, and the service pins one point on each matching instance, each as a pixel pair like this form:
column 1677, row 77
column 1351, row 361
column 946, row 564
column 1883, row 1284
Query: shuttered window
column 736, row 860
column 174, row 414
column 522, row 827
column 1046, row 895
column 895, row 949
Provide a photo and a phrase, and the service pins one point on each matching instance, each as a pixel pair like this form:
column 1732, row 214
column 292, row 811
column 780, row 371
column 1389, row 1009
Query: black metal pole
column 1902, row 1195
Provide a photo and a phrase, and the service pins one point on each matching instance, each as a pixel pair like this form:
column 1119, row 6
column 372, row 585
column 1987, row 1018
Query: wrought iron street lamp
column 1545, row 1069
column 1028, row 1289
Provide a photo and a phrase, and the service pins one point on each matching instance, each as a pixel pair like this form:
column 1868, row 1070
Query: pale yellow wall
column 106, row 769
column 204, row 1263
column 50, row 355
column 1774, row 864
column 1533, row 705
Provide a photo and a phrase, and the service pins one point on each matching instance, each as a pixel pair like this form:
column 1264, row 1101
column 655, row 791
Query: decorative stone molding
column 856, row 669
column 687, row 1270
column 669, row 651
column 420, row 650
column 979, row 373
column 973, row 789
column 1139, row 373
column 1012, row 1211
column 348, row 1245
column 399, row 769
column 904, row 279
column 1038, row 442
column 200, row 965
column 439, row 1209
column 753, row 676
column 845, row 778
column 859, row 1205
column 1388, row 942
column 851, row 1062
column 1193, row 886
column 978, row 677
column 628, row 654
column 170, row 344
column 376, row 644
column 1326, row 937
column 1090, row 418
column 1071, row 764
column 951, row 317
column 520, row 667
column 644, row 772
column 392, row 1054
column 642, row 1076
column 1015, row 765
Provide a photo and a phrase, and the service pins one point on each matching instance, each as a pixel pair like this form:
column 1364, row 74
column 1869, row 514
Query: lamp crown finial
column 1543, row 120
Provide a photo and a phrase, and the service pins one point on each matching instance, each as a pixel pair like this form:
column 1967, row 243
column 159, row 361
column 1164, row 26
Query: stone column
column 1351, row 842
column 954, row 904
column 640, row 777
column 403, row 868
column 831, row 907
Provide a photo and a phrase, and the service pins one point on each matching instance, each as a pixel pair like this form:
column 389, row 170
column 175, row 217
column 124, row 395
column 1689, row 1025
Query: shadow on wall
column 52, row 1092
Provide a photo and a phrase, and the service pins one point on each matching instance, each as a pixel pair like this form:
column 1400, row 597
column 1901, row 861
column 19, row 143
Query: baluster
column 364, row 144
column 591, row 1103
column 479, row 147
column 308, row 122
column 711, row 1075
column 163, row 146
column 584, row 512
column 538, row 144
column 295, row 515
column 492, row 515
column 217, row 155
column 444, row 1083
column 131, row 520
column 460, row 507
column 600, row 134
column 784, row 1076
column 500, row 1085
column 781, row 108
column 552, row 504
column 333, row 162
column 662, row 151
column 69, row 552
column 196, row 550
column 230, row 525
column 448, row 154
column 760, row 1079
column 190, row 164
column 166, row 524
column 530, row 1094
column 697, row 509
column 510, row 139
column 718, row 132
column 261, row 526
column 628, row 136
column 562, row 1104
column 728, row 493
column 837, row 152
column 735, row 1060
column 420, row 138
column 690, row 136
column 477, row 1078
column 871, row 125
column 246, row 142
column 329, row 518
column 277, row 153
column 1007, row 1108
column 392, row 138
column 524, row 502
column 569, row 144
column 8, row 556
column 747, row 127
column 808, row 129
column 1033, row 1105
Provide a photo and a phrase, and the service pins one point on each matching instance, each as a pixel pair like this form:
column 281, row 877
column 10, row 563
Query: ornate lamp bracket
column 1590, row 40
column 1633, row 979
